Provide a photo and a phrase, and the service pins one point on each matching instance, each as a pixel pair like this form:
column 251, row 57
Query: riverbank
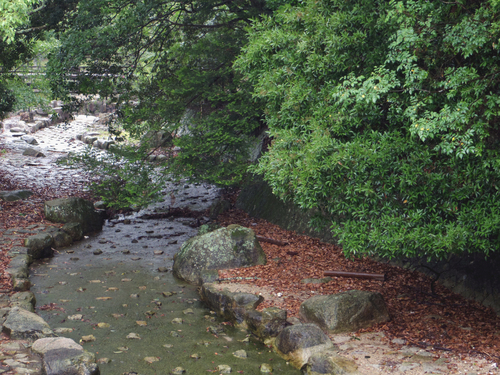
column 427, row 333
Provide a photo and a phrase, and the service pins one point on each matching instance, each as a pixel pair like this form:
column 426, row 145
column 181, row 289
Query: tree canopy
column 384, row 117
column 168, row 65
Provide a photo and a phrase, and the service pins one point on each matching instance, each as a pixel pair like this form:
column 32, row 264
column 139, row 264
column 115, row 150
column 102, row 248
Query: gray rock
column 15, row 195
column 18, row 266
column 231, row 247
column 89, row 139
column 39, row 246
column 21, row 285
column 345, row 312
column 29, row 140
column 63, row 356
column 266, row 323
column 298, row 343
column 24, row 325
column 230, row 306
column 74, row 230
column 74, row 210
column 330, row 363
column 25, row 300
column 32, row 152
column 16, row 130
column 61, row 239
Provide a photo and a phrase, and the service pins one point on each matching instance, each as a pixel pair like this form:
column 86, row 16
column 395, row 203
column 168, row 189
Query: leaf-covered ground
column 443, row 320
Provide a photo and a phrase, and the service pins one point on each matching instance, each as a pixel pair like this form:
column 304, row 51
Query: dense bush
column 384, row 116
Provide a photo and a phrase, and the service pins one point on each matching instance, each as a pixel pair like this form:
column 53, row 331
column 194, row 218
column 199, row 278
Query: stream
column 115, row 294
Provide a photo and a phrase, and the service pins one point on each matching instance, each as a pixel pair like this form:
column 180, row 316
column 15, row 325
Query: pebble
column 240, row 354
column 266, row 368
column 224, row 369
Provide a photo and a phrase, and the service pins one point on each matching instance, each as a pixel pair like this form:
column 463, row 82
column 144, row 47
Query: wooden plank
column 270, row 240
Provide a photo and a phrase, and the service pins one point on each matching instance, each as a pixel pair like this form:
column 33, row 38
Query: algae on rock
column 201, row 256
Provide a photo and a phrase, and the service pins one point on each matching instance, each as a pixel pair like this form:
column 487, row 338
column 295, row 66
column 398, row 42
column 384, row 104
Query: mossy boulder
column 345, row 312
column 74, row 210
column 201, row 256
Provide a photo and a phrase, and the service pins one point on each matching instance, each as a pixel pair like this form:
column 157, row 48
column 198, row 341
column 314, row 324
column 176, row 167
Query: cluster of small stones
column 92, row 139
column 302, row 342
column 305, row 346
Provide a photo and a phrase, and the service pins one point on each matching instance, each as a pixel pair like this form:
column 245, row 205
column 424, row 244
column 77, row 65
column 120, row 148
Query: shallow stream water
column 142, row 320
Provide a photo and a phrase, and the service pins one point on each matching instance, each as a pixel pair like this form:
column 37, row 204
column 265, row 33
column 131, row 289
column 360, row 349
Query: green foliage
column 384, row 116
column 13, row 13
column 26, row 33
column 120, row 184
column 168, row 65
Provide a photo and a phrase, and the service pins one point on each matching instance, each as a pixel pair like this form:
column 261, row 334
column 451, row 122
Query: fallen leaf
column 103, row 325
column 88, row 338
column 103, row 298
column 141, row 323
column 151, row 359
column 133, row 335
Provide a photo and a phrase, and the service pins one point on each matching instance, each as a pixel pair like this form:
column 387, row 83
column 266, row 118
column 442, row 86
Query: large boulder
column 267, row 323
column 63, row 356
column 345, row 312
column 201, row 256
column 74, row 210
column 24, row 325
column 298, row 343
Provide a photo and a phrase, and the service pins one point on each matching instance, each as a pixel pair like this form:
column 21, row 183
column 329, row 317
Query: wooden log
column 357, row 275
column 270, row 240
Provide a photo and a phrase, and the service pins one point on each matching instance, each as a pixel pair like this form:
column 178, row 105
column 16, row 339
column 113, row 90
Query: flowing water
column 115, row 294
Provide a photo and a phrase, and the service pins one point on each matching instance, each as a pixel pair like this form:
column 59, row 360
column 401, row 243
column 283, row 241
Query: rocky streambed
column 114, row 293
